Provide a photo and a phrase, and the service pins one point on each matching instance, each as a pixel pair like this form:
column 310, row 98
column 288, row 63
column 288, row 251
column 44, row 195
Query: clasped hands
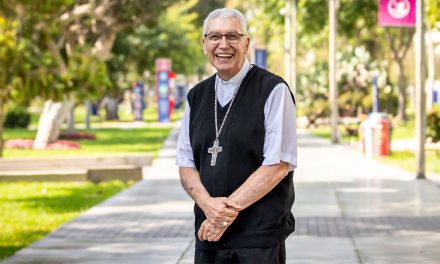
column 220, row 212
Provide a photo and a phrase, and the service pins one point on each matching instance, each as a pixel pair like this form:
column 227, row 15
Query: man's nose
column 223, row 42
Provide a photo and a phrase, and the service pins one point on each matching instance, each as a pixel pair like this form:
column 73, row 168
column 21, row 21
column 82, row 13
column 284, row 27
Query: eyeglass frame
column 224, row 35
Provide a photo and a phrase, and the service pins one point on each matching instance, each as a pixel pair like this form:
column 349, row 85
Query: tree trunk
column 49, row 125
column 88, row 106
column 401, row 111
column 111, row 108
column 1, row 125
column 71, row 126
column 399, row 47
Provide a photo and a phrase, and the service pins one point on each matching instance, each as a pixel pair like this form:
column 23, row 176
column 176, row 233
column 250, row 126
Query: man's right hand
column 220, row 209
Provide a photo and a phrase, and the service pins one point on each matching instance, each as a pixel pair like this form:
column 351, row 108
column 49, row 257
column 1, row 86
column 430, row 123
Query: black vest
column 269, row 221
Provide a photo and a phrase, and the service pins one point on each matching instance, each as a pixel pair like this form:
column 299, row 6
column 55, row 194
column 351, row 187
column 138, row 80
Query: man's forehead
column 224, row 23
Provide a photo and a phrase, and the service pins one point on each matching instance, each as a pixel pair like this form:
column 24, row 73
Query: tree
column 176, row 36
column 13, row 56
column 399, row 42
column 432, row 24
column 69, row 29
column 203, row 8
column 357, row 26
column 313, row 92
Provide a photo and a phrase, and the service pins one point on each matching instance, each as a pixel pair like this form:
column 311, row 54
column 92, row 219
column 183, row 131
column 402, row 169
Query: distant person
column 237, row 151
column 138, row 103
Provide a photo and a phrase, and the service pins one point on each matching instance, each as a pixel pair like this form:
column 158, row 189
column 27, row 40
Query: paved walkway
column 349, row 209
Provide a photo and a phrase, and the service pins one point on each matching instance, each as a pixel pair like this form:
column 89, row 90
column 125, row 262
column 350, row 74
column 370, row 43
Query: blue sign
column 261, row 58
column 436, row 93
column 375, row 95
column 163, row 93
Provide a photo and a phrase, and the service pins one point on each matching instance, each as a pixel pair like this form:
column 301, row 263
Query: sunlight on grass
column 403, row 130
column 30, row 210
column 407, row 160
column 108, row 141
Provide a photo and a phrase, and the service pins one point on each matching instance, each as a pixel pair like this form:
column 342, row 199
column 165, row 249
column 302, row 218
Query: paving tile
column 348, row 209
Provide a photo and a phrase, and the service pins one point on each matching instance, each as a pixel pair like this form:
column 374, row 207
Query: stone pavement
column 349, row 209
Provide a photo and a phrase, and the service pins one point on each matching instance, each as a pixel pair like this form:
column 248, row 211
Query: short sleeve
column 280, row 143
column 184, row 153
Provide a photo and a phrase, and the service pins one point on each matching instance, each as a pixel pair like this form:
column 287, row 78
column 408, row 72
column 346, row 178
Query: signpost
column 163, row 68
column 410, row 13
column 261, row 58
column 375, row 95
column 400, row 13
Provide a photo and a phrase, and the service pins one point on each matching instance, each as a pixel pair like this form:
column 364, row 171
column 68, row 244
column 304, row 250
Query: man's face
column 227, row 56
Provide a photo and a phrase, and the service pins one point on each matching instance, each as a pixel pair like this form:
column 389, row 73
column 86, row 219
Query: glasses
column 230, row 37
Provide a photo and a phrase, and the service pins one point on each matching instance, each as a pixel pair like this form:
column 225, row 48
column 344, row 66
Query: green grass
column 403, row 130
column 406, row 160
column 109, row 141
column 400, row 131
column 325, row 132
column 30, row 210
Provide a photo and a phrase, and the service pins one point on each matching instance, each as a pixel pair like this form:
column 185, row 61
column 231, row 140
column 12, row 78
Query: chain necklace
column 216, row 148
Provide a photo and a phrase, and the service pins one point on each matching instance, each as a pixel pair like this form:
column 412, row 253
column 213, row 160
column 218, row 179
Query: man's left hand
column 210, row 232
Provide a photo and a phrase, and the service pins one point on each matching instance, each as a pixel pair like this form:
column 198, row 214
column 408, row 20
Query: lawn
column 399, row 131
column 406, row 160
column 325, row 132
column 108, row 141
column 30, row 210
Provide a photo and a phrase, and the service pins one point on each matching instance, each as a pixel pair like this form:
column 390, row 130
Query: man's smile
column 224, row 55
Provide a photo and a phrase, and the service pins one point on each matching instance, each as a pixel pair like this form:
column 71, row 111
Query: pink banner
column 397, row 13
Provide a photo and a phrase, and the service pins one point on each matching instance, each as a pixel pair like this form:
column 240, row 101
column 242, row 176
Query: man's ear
column 248, row 43
column 204, row 49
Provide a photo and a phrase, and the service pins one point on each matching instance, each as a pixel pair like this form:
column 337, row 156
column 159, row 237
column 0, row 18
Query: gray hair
column 226, row 12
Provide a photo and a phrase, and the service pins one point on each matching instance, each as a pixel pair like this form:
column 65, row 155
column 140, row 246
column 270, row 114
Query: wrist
column 203, row 203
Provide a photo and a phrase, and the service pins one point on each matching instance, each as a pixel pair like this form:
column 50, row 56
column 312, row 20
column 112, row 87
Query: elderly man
column 237, row 151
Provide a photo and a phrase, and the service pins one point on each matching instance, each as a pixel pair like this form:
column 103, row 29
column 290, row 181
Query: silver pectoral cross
column 214, row 150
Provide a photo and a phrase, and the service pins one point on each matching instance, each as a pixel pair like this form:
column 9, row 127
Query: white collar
column 238, row 77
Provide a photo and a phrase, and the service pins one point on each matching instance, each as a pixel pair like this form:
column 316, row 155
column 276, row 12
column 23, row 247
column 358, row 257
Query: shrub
column 17, row 117
column 433, row 125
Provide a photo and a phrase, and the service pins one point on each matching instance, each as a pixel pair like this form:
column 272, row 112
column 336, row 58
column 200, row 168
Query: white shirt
column 280, row 123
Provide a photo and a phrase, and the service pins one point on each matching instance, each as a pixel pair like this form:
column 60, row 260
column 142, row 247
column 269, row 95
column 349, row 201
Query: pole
column 420, row 91
column 293, row 47
column 375, row 95
column 287, row 44
column 332, row 71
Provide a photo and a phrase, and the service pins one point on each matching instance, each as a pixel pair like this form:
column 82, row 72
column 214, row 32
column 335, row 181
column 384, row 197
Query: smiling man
column 237, row 151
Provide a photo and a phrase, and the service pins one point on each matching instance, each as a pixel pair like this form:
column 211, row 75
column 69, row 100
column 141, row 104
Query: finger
column 200, row 234
column 223, row 224
column 218, row 236
column 229, row 213
column 205, row 233
column 229, row 219
column 232, row 204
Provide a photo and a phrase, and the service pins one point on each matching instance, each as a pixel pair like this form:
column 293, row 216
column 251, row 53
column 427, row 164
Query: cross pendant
column 214, row 150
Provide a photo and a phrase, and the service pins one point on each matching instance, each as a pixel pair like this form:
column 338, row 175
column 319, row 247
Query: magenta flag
column 397, row 13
